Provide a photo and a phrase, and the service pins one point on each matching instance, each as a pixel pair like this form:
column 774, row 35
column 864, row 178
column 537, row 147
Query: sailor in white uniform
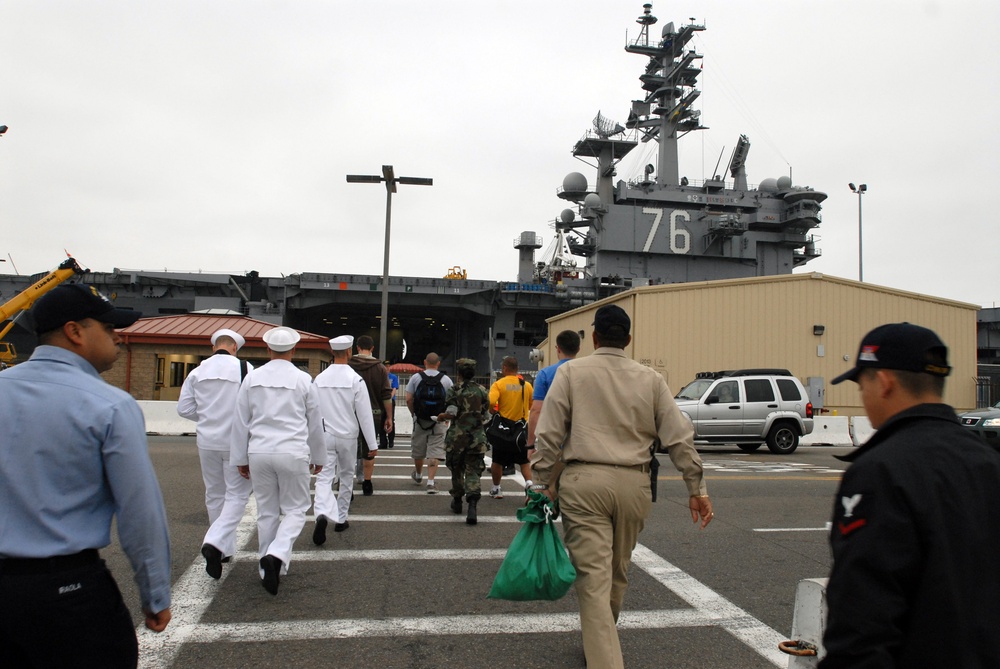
column 208, row 397
column 346, row 410
column 277, row 434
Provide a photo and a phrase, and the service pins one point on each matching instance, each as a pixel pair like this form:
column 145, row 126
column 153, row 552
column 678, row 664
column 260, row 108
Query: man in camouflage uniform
column 467, row 407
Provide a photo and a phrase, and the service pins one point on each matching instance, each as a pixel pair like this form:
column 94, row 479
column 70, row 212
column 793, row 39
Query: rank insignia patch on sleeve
column 851, row 514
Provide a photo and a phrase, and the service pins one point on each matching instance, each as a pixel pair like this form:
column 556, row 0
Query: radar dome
column 768, row 185
column 575, row 182
column 567, row 216
column 593, row 201
column 784, row 183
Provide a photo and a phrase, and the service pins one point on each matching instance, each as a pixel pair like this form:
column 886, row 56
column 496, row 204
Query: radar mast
column 670, row 81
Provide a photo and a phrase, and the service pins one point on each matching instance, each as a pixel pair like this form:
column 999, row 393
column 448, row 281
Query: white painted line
column 724, row 613
column 353, row 628
column 792, row 529
column 450, row 518
column 442, row 493
column 191, row 596
column 388, row 554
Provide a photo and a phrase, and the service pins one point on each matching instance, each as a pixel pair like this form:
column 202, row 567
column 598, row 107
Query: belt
column 30, row 566
column 644, row 468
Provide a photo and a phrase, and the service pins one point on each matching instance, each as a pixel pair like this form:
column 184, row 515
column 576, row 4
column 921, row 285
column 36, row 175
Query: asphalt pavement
column 405, row 586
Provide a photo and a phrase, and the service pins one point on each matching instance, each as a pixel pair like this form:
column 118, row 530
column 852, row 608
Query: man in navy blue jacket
column 916, row 522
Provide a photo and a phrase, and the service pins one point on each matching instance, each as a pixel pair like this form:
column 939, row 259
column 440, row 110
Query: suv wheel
column 783, row 439
column 749, row 448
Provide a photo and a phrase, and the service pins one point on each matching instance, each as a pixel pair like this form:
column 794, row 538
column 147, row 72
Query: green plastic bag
column 536, row 565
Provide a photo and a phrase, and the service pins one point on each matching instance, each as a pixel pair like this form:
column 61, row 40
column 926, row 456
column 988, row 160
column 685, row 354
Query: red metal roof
column 404, row 368
column 197, row 329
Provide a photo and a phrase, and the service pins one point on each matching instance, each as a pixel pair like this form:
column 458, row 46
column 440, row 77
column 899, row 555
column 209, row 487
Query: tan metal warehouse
column 810, row 324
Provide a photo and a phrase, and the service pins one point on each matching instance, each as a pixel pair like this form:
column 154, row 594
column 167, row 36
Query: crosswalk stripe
column 194, row 592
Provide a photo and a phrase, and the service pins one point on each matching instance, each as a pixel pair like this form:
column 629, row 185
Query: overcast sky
column 216, row 135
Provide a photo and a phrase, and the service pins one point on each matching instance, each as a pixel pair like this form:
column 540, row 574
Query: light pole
column 390, row 179
column 860, row 190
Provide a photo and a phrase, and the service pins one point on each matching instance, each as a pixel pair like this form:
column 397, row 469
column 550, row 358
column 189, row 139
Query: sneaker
column 366, row 488
column 431, row 488
column 496, row 492
column 417, row 478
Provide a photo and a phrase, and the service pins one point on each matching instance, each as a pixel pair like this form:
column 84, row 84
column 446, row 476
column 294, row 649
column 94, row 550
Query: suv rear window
column 789, row 391
column 759, row 390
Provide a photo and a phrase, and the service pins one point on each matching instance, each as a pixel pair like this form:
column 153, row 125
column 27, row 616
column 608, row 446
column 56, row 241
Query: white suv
column 748, row 407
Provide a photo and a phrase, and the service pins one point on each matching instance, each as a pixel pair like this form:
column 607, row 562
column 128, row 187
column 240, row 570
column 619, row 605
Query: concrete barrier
column 809, row 620
column 162, row 419
column 829, row 431
column 861, row 430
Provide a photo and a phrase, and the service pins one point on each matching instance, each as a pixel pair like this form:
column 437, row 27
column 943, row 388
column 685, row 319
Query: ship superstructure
column 662, row 227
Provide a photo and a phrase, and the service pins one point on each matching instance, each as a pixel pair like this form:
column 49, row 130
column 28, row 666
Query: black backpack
column 429, row 399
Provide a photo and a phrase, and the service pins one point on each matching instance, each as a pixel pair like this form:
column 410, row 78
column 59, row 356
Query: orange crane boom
column 23, row 301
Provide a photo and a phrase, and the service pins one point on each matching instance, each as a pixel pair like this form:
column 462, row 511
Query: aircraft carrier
column 654, row 227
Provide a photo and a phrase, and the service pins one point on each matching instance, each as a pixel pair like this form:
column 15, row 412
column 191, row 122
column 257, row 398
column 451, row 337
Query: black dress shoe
column 272, row 568
column 456, row 504
column 213, row 560
column 366, row 488
column 319, row 532
column 340, row 527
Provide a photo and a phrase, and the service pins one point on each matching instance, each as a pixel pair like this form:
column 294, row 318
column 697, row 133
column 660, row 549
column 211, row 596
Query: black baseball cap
column 612, row 320
column 902, row 346
column 75, row 302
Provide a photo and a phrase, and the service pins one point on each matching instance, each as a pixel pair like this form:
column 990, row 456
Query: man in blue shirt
column 73, row 455
column 394, row 382
column 567, row 346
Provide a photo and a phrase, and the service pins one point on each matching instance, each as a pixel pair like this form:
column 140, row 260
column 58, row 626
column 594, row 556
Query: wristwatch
column 538, row 486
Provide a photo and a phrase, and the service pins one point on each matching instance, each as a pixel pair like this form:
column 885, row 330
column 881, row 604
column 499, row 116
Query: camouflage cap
column 465, row 363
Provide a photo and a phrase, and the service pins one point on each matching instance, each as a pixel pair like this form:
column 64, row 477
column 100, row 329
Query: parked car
column 748, row 407
column 984, row 422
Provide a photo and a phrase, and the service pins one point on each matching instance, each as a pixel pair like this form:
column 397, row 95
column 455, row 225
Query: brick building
column 160, row 352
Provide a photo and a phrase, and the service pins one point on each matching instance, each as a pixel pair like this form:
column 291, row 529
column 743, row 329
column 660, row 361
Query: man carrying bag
column 506, row 433
column 604, row 436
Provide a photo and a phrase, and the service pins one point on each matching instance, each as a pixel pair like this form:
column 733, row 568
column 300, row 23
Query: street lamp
column 860, row 190
column 390, row 179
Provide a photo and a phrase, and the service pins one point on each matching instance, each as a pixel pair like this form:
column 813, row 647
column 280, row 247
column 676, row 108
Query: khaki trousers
column 604, row 509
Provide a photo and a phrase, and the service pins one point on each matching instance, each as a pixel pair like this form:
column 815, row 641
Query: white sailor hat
column 281, row 339
column 235, row 336
column 342, row 343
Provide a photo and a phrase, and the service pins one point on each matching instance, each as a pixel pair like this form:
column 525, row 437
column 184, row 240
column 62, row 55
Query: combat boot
column 456, row 504
column 473, row 500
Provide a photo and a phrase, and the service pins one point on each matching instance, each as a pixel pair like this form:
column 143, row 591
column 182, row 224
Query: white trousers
column 218, row 477
column 343, row 454
column 281, row 485
column 222, row 533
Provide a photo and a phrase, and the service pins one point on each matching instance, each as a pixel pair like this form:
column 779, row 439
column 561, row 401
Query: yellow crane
column 20, row 303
